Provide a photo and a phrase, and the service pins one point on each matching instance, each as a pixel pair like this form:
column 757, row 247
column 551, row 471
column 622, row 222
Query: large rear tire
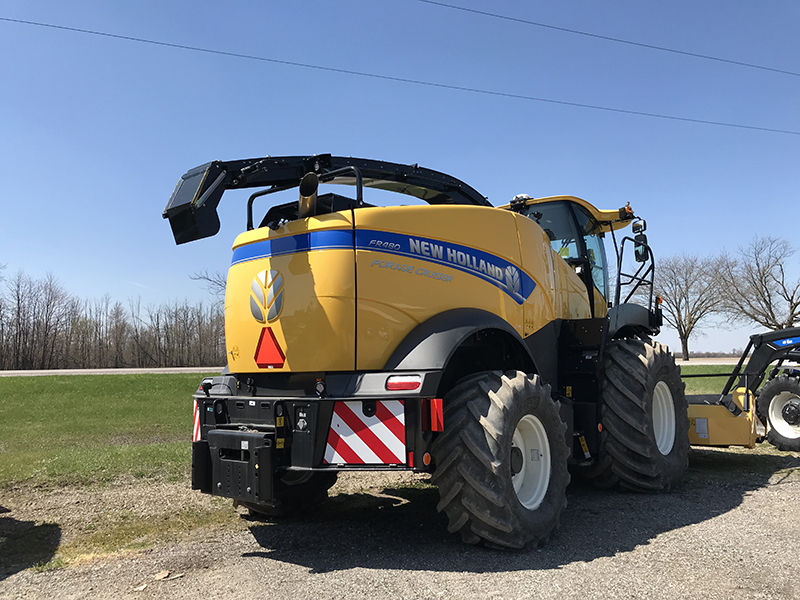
column 295, row 491
column 779, row 404
column 501, row 462
column 644, row 443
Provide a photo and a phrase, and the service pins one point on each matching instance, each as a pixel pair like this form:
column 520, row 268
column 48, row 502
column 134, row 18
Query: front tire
column 501, row 462
column 779, row 404
column 644, row 443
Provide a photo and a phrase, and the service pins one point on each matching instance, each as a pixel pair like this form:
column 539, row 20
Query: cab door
column 596, row 264
column 576, row 237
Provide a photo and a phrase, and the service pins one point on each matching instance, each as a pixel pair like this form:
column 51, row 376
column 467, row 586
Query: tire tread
column 477, row 495
column 629, row 458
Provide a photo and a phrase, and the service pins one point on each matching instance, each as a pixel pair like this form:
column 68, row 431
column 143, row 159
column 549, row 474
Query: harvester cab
column 576, row 231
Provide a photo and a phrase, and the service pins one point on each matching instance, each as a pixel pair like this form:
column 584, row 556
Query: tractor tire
column 294, row 492
column 644, row 440
column 779, row 405
column 501, row 461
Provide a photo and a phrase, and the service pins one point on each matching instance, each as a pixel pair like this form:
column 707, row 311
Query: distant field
column 80, row 429
column 705, row 385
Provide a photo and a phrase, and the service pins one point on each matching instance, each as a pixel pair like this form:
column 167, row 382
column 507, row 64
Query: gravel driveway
column 730, row 533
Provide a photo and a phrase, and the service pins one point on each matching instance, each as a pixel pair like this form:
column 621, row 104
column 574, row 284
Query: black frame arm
column 192, row 209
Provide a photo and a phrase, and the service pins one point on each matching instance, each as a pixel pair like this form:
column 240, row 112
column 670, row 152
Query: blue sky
column 96, row 131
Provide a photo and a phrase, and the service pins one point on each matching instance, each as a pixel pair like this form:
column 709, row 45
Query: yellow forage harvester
column 480, row 344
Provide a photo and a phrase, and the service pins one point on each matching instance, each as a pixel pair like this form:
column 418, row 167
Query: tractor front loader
column 478, row 344
column 750, row 412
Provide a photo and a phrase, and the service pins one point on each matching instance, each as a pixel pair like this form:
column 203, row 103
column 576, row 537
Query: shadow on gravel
column 400, row 528
column 24, row 544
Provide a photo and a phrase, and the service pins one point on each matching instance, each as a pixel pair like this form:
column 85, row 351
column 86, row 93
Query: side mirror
column 639, row 226
column 640, row 248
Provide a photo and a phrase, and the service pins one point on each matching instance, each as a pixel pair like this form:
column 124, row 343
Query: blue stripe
column 491, row 268
column 787, row 342
column 338, row 239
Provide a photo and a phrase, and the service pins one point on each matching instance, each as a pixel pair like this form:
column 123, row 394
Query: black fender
column 626, row 319
column 432, row 343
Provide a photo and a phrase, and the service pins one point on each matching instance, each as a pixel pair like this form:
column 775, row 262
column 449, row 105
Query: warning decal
column 357, row 439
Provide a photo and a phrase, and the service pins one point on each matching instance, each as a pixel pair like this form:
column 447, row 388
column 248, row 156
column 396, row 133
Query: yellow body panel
column 344, row 309
column 316, row 324
column 397, row 292
column 715, row 425
column 560, row 293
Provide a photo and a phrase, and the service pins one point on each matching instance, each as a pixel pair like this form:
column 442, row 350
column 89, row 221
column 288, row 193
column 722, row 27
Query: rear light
column 397, row 383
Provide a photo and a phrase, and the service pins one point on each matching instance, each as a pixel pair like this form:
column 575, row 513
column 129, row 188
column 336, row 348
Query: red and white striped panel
column 196, row 426
column 355, row 439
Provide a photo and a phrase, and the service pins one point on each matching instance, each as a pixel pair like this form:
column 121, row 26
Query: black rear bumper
column 250, row 431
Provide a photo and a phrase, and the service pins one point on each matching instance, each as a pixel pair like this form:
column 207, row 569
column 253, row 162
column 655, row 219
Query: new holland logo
column 266, row 296
column 512, row 280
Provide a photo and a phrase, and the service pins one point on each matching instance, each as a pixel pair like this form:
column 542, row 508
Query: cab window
column 558, row 223
column 595, row 250
column 573, row 234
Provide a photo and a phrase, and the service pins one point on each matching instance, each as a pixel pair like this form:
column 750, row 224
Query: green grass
column 81, row 429
column 87, row 431
column 705, row 385
column 127, row 532
column 51, row 565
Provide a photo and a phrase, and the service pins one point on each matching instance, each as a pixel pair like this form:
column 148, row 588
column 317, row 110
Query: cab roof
column 607, row 220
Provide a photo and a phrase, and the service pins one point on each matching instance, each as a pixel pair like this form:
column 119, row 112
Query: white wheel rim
column 663, row 418
column 531, row 483
column 776, row 420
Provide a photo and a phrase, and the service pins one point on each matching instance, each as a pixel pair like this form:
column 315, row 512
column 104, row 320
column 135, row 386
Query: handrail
column 640, row 278
column 323, row 178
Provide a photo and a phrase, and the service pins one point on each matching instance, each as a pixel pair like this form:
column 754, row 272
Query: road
column 38, row 373
column 33, row 373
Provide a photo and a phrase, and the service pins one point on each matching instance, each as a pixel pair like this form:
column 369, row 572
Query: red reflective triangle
column 268, row 352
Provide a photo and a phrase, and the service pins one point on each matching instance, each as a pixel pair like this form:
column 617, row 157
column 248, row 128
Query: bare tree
column 52, row 302
column 4, row 326
column 214, row 282
column 755, row 287
column 44, row 327
column 21, row 304
column 119, row 333
column 686, row 283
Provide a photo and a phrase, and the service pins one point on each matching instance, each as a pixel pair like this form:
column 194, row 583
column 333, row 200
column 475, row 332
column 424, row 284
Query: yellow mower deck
column 715, row 425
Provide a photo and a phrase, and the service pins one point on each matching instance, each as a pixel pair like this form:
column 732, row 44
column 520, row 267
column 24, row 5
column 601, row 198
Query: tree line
column 42, row 326
column 750, row 286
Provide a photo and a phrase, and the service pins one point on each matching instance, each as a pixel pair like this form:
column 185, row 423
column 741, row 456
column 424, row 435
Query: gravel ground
column 729, row 533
